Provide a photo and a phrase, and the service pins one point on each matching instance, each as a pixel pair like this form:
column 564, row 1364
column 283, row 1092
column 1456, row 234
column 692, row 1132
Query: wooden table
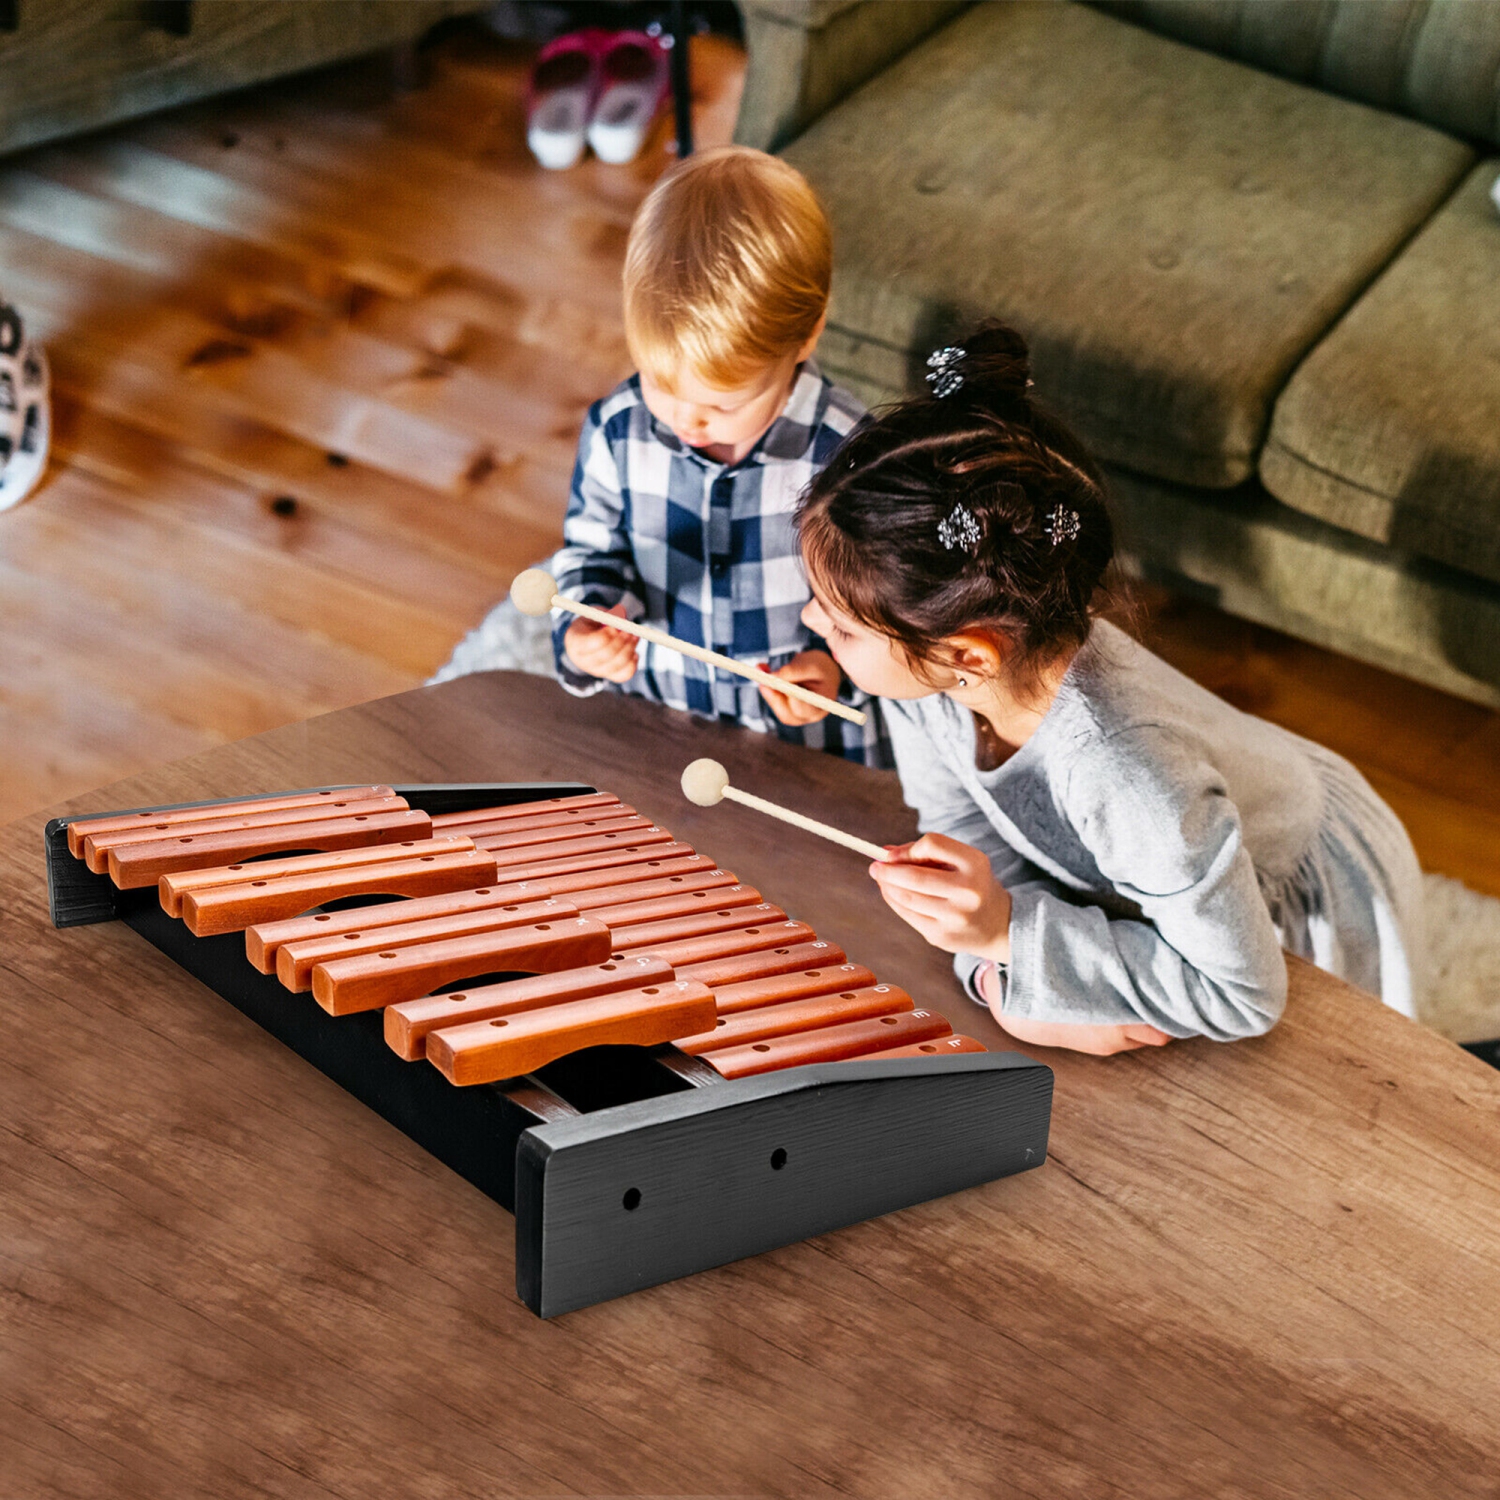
column 1266, row 1269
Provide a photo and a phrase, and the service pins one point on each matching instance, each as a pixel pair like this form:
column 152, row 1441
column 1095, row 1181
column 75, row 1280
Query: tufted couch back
column 1435, row 60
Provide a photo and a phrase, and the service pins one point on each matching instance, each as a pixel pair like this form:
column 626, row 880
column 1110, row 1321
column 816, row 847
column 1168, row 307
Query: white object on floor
column 633, row 85
column 1462, row 991
column 504, row 641
column 25, row 410
column 564, row 86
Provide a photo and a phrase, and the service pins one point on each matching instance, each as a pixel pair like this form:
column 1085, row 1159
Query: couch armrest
column 806, row 55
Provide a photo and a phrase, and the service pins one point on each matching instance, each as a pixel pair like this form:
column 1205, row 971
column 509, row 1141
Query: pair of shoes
column 595, row 86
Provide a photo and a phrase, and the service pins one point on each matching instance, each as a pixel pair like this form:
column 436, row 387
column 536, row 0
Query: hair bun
column 996, row 364
column 989, row 370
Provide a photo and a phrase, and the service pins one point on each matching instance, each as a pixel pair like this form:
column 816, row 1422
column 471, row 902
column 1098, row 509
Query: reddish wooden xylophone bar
column 631, row 936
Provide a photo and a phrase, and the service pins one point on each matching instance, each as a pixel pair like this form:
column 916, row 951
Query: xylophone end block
column 606, row 1204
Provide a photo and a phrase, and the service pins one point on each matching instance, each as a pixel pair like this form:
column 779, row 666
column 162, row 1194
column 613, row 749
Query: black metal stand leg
column 682, row 94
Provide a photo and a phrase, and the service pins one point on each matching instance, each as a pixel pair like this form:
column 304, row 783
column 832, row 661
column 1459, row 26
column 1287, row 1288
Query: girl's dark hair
column 874, row 523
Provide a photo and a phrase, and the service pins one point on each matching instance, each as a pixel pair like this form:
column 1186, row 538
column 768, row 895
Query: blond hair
column 726, row 269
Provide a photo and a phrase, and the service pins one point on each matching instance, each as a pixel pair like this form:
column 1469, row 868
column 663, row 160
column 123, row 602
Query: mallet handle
column 823, row 830
column 713, row 658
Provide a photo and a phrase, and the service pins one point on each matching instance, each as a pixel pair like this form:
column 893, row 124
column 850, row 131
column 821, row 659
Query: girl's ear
column 979, row 655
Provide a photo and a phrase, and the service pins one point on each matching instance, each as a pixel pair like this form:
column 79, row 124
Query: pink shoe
column 634, row 79
column 560, row 100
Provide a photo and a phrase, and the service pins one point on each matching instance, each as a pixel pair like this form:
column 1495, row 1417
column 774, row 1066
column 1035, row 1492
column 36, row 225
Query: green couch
column 1252, row 245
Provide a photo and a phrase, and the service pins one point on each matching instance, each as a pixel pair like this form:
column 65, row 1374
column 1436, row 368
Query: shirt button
column 718, row 568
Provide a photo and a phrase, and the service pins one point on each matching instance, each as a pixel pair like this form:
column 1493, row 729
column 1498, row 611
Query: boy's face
column 724, row 424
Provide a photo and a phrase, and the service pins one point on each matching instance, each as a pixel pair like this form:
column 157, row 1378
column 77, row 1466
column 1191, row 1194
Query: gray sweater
column 1160, row 846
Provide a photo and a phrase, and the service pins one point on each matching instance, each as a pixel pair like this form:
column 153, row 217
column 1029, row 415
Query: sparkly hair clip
column 943, row 374
column 1064, row 525
column 959, row 529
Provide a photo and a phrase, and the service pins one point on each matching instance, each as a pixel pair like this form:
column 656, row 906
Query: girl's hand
column 948, row 892
column 1102, row 1041
column 810, row 669
column 601, row 651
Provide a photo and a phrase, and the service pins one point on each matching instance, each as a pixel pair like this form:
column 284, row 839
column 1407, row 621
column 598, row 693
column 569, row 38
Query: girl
column 1116, row 856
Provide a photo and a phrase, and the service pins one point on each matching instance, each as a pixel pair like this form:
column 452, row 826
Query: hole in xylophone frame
column 778, row 1158
column 631, row 1201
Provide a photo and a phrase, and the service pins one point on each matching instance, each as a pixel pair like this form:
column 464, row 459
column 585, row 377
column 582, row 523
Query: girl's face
column 872, row 661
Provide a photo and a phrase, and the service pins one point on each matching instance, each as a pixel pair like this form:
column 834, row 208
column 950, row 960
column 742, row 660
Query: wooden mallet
column 706, row 783
column 534, row 592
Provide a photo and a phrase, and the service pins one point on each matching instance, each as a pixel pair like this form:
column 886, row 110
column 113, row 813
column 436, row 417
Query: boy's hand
column 947, row 891
column 1102, row 1041
column 816, row 670
column 601, row 651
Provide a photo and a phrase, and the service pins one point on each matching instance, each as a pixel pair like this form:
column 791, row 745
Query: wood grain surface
column 1261, row 1269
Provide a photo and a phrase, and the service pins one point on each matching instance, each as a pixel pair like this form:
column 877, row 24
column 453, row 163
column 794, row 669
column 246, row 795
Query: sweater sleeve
column 1204, row 958
column 943, row 805
column 596, row 564
column 940, row 800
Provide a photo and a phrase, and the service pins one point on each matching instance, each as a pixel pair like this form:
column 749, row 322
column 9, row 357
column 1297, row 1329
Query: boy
column 688, row 472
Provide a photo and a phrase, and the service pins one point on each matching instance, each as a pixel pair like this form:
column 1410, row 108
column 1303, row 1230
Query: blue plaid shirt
column 705, row 551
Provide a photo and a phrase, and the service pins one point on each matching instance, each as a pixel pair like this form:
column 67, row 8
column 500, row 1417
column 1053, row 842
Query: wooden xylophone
column 653, row 1067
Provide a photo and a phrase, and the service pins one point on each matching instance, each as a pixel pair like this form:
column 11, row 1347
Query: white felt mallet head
column 533, row 591
column 704, row 782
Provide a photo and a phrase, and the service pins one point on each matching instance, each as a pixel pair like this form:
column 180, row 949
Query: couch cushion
column 1246, row 553
column 1391, row 427
column 1438, row 60
column 1171, row 230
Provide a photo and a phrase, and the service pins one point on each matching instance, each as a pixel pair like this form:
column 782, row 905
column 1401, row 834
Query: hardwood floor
column 321, row 351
